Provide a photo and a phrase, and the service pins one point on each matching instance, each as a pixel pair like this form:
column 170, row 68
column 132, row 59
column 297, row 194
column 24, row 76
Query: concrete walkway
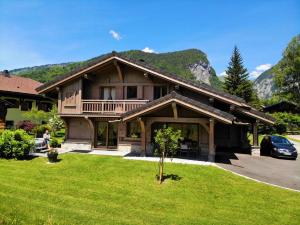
column 169, row 160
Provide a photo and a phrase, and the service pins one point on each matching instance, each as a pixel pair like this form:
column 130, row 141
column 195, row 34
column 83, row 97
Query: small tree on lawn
column 167, row 140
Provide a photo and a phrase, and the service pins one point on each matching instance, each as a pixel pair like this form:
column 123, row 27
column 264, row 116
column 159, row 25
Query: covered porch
column 196, row 120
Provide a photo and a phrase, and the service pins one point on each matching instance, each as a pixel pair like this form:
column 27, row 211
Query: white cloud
column 223, row 74
column 259, row 70
column 148, row 50
column 115, row 35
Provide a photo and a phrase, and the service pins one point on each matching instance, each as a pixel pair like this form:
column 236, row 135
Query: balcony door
column 106, row 135
column 108, row 93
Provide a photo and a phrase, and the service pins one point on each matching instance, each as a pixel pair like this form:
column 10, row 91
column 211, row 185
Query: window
column 44, row 106
column 133, row 130
column 159, row 91
column 108, row 93
column 26, row 105
column 9, row 124
column 131, row 92
column 15, row 103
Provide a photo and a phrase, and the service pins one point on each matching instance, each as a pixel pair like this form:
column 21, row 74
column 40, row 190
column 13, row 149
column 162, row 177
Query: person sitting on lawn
column 46, row 137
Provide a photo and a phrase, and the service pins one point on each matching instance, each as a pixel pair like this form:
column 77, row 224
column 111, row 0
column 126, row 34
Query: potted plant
column 52, row 155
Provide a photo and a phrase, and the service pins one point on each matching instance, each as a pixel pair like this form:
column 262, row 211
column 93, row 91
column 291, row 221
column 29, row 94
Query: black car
column 278, row 146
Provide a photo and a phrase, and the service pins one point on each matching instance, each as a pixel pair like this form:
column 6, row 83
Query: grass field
column 87, row 189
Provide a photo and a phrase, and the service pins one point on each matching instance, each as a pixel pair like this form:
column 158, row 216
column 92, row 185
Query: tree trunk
column 161, row 168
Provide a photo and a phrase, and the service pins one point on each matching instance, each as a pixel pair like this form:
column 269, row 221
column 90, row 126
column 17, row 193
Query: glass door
column 101, row 134
column 107, row 135
column 112, row 135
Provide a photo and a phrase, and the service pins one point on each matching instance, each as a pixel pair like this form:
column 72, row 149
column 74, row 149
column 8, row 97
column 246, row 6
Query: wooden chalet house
column 117, row 103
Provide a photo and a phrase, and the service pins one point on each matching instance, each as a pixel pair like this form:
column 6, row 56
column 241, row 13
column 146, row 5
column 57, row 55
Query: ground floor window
column 9, row 124
column 133, row 130
column 190, row 132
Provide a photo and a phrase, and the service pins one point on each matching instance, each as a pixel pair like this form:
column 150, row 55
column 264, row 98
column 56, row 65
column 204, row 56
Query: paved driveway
column 281, row 172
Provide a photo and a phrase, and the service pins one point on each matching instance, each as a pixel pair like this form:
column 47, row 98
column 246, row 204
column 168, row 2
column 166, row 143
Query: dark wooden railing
column 110, row 106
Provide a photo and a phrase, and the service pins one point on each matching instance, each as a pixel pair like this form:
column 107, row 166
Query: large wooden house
column 117, row 103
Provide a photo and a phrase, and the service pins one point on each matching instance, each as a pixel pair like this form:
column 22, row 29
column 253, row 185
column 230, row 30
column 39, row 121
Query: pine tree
column 237, row 80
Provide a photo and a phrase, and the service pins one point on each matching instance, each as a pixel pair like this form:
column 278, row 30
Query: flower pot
column 52, row 157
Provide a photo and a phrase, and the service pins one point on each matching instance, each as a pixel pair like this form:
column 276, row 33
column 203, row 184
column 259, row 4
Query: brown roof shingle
column 12, row 83
column 174, row 95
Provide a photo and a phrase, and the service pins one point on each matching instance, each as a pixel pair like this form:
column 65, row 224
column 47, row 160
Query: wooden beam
column 92, row 130
column 143, row 136
column 89, row 77
column 120, row 74
column 211, row 143
column 175, row 112
column 255, row 133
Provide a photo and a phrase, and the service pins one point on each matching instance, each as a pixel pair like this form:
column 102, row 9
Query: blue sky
column 43, row 32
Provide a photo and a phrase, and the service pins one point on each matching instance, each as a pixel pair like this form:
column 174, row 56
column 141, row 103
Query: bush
column 40, row 129
column 284, row 122
column 54, row 143
column 15, row 144
column 26, row 125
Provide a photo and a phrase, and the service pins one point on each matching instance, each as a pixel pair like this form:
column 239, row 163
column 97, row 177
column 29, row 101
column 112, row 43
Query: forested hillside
column 191, row 64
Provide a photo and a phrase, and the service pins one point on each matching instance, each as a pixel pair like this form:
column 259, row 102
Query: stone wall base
column 255, row 150
column 76, row 145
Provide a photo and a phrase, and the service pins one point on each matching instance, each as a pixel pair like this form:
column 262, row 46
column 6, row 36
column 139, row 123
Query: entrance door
column 107, row 135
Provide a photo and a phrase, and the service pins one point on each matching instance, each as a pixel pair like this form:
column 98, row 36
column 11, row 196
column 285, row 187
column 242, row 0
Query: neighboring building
column 18, row 95
column 118, row 103
column 283, row 106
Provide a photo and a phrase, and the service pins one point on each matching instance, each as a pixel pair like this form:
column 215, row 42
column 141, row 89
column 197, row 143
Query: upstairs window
column 26, row 105
column 159, row 91
column 131, row 92
column 108, row 93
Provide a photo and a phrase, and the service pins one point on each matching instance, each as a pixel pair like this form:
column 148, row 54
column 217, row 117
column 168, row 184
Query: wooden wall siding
column 230, row 136
column 79, row 129
column 71, row 98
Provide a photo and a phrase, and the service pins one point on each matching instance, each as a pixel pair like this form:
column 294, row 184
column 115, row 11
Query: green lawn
column 87, row 189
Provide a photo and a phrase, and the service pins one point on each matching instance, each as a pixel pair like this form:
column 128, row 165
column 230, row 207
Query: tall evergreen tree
column 237, row 80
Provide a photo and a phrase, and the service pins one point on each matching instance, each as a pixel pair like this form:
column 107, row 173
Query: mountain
column 191, row 64
column 265, row 85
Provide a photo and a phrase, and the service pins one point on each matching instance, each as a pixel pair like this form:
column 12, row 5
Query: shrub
column 54, row 143
column 26, row 125
column 15, row 144
column 40, row 129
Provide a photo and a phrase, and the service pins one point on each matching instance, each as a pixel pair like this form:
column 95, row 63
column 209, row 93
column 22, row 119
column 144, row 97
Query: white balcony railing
column 111, row 106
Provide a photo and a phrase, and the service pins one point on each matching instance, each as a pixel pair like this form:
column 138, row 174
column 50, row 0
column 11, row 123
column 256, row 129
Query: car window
column 280, row 140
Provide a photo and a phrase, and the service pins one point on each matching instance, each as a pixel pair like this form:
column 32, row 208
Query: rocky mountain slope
column 265, row 85
column 191, row 64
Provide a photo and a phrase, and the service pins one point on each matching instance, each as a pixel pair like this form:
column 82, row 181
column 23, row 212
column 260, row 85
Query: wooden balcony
column 110, row 106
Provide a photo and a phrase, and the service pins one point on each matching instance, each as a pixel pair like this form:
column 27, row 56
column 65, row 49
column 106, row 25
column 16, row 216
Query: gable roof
column 16, row 84
column 197, row 86
column 183, row 101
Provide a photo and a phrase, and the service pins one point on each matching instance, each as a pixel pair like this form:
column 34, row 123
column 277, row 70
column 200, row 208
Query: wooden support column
column 92, row 131
column 255, row 149
column 143, row 137
column 211, row 144
column 175, row 112
column 255, row 134
column 59, row 101
column 120, row 74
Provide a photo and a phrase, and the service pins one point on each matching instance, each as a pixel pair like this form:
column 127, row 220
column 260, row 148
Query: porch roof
column 183, row 101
